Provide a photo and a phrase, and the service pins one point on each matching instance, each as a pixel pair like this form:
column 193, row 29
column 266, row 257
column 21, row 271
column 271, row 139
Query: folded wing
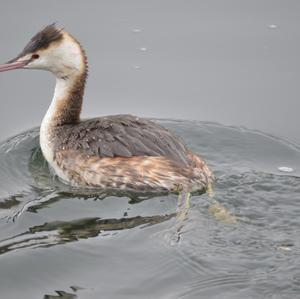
column 122, row 136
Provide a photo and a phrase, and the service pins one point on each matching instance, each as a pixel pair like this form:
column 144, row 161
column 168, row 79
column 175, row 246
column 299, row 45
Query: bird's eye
column 35, row 56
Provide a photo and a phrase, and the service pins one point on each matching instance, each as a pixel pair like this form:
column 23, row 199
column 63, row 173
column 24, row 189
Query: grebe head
column 51, row 49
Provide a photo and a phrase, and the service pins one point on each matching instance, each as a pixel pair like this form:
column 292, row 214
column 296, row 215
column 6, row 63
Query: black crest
column 43, row 39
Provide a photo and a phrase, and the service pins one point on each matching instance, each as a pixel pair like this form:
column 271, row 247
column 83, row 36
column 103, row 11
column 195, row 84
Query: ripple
column 63, row 236
column 60, row 232
column 217, row 285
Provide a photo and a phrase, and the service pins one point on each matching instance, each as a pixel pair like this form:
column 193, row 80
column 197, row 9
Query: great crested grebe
column 120, row 151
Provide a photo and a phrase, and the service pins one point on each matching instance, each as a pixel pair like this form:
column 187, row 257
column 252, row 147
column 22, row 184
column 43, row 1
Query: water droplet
column 272, row 26
column 285, row 169
column 285, row 248
column 136, row 30
column 143, row 49
column 136, row 67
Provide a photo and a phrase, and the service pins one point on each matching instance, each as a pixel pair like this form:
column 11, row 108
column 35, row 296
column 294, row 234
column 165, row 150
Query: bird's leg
column 217, row 210
column 210, row 191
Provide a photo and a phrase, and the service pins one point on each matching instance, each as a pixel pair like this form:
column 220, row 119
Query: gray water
column 242, row 243
column 232, row 62
column 235, row 62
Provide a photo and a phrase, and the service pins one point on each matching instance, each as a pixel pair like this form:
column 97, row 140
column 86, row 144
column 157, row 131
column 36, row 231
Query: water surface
column 234, row 62
column 57, row 242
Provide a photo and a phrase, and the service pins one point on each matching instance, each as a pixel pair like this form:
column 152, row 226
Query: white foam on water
column 285, row 169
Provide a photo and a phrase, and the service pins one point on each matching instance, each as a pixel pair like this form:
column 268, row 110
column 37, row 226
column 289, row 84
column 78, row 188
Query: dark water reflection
column 60, row 242
column 59, row 232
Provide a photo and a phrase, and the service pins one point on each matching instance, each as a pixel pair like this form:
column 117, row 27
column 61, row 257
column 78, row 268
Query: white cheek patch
column 62, row 59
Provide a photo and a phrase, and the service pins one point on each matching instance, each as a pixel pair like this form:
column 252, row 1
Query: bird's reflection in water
column 60, row 232
column 61, row 295
column 47, row 190
column 11, row 201
column 65, row 295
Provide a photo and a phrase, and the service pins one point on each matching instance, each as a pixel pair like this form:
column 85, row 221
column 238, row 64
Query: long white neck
column 64, row 109
column 66, row 104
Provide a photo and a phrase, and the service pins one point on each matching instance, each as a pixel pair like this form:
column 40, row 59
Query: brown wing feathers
column 121, row 136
